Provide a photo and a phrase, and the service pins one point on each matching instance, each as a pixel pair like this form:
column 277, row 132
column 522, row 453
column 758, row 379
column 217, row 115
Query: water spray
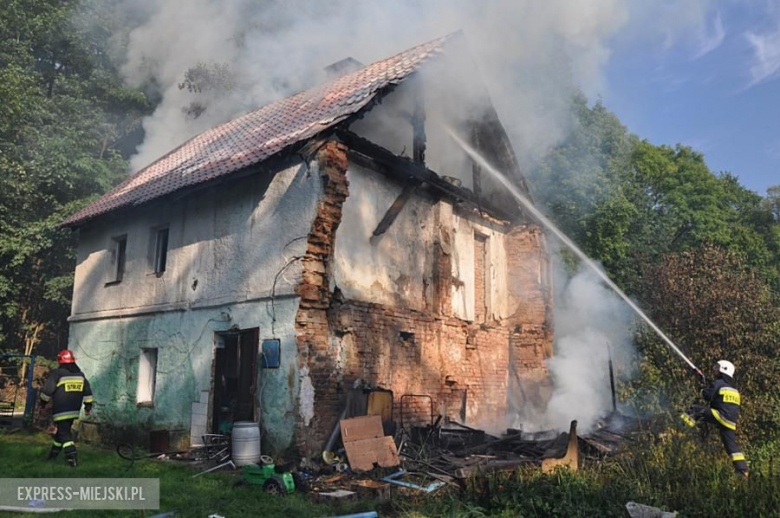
column 541, row 218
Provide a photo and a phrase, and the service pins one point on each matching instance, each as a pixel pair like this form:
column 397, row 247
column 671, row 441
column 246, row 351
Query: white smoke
column 591, row 323
column 530, row 53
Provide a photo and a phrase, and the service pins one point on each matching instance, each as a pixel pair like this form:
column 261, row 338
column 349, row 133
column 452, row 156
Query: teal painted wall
column 232, row 247
column 108, row 351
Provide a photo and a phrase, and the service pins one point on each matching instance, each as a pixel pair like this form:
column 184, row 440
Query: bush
column 713, row 308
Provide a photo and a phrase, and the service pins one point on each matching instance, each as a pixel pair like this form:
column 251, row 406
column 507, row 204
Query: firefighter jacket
column 67, row 388
column 724, row 401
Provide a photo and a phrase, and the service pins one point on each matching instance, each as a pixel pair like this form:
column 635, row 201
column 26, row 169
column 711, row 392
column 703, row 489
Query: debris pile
column 428, row 457
column 369, row 453
column 458, row 451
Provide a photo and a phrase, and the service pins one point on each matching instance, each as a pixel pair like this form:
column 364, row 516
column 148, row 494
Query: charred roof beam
column 418, row 125
column 366, row 153
column 395, row 209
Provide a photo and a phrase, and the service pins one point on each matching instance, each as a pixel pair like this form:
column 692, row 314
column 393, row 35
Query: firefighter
column 68, row 389
column 722, row 411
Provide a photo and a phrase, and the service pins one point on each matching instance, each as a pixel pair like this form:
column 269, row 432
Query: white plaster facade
column 226, row 246
column 396, row 268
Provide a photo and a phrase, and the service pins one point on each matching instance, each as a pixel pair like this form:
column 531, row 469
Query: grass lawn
column 24, row 455
column 676, row 471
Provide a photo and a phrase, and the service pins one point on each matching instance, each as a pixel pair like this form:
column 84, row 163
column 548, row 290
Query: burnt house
column 333, row 238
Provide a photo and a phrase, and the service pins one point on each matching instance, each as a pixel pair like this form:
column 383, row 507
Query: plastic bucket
column 246, row 443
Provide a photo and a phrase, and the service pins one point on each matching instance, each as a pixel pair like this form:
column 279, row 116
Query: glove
column 87, row 409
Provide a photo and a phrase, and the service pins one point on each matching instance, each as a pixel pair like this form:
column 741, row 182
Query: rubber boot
column 53, row 453
column 73, row 460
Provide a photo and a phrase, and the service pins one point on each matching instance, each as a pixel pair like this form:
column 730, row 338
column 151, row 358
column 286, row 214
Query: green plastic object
column 265, row 475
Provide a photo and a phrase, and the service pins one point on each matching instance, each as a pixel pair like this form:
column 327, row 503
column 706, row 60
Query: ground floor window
column 147, row 376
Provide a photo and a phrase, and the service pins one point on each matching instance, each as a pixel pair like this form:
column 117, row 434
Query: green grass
column 676, row 472
column 23, row 455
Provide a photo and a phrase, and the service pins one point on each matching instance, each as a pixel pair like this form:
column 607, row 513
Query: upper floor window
column 481, row 277
column 119, row 254
column 161, row 251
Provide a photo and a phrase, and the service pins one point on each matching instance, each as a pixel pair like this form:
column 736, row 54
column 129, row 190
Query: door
column 235, row 379
column 248, row 342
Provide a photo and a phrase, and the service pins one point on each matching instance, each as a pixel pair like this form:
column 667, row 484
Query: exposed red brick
column 312, row 319
column 466, row 369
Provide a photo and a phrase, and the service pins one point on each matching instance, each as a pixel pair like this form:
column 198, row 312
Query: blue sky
column 716, row 88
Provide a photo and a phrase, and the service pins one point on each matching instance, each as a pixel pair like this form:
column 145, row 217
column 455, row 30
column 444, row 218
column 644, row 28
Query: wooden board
column 359, row 428
column 380, row 402
column 366, row 445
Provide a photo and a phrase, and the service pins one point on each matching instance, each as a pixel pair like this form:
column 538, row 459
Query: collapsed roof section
column 245, row 142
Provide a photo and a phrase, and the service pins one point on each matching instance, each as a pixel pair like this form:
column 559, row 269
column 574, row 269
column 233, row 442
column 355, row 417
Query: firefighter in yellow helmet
column 67, row 389
column 722, row 410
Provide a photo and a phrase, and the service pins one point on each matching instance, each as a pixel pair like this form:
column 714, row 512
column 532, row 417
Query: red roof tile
column 256, row 136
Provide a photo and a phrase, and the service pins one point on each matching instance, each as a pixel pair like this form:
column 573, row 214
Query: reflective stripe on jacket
column 68, row 389
column 724, row 400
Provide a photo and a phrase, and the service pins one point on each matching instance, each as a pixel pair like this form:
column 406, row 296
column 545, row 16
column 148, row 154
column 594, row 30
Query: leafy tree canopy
column 63, row 110
column 627, row 201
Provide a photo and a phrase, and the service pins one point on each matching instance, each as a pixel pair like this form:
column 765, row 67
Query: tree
column 63, row 110
column 627, row 202
column 207, row 83
column 583, row 171
column 700, row 252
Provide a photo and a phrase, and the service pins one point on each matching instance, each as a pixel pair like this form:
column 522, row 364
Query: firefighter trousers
column 63, row 439
column 727, row 436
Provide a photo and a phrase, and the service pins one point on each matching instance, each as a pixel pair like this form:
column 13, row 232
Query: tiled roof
column 258, row 135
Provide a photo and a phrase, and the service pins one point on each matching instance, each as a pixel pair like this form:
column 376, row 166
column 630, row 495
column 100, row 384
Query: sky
column 716, row 88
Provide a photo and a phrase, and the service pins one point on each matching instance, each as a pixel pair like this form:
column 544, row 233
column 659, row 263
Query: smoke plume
column 591, row 323
column 530, row 54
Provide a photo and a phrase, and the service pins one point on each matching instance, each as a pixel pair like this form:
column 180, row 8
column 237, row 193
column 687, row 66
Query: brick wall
column 314, row 354
column 466, row 368
column 462, row 366
column 532, row 334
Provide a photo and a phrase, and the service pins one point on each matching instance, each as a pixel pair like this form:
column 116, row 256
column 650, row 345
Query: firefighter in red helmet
column 67, row 389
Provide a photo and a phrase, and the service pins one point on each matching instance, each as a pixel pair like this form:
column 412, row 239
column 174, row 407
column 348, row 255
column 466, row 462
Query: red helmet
column 66, row 357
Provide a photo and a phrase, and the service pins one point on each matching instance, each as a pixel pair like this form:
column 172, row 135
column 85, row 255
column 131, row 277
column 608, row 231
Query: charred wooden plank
column 394, row 210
